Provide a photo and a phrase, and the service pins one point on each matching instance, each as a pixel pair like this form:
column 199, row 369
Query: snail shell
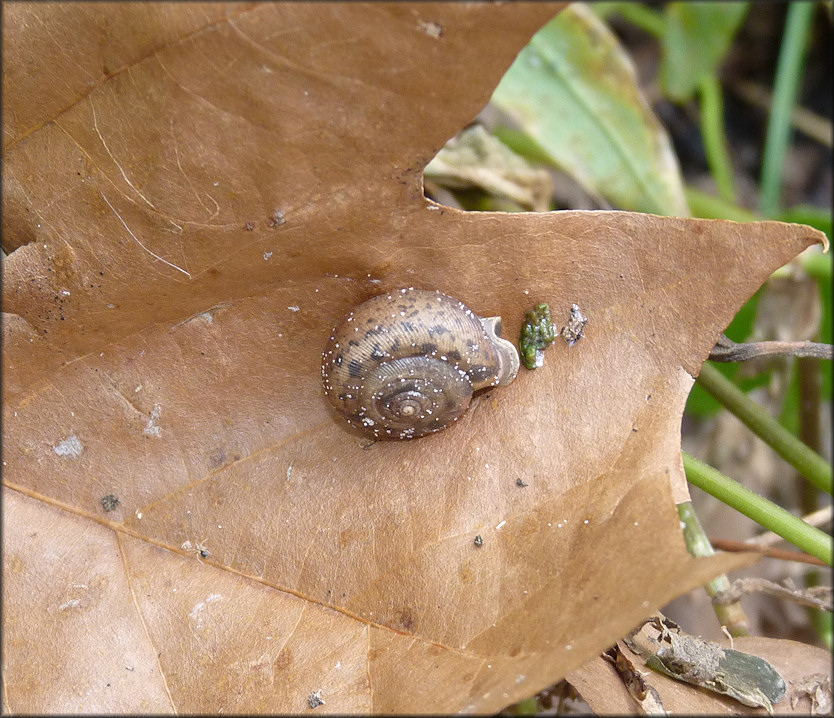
column 405, row 364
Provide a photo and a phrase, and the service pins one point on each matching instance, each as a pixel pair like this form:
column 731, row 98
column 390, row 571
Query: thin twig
column 726, row 350
column 815, row 596
column 780, row 553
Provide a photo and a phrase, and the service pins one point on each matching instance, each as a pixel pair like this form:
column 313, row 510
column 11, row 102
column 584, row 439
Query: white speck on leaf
column 71, row 446
column 433, row 29
column 195, row 612
column 152, row 427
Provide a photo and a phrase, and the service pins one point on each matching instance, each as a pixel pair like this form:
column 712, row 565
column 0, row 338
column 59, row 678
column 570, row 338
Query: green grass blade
column 788, row 77
column 715, row 139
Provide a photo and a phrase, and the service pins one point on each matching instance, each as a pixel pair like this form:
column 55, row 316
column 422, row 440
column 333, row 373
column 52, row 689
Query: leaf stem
column 714, row 136
column 764, row 512
column 729, row 614
column 788, row 77
column 806, row 461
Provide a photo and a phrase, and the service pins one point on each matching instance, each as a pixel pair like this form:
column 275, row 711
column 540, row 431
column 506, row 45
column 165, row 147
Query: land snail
column 406, row 364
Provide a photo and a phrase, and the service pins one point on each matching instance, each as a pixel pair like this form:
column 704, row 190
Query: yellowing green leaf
column 575, row 91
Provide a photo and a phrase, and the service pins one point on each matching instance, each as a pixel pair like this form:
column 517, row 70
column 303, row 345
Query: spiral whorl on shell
column 405, row 364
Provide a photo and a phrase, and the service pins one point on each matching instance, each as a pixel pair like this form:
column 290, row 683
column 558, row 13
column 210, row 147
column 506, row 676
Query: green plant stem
column 788, row 76
column 806, row 461
column 643, row 17
column 764, row 512
column 714, row 136
column 730, row 615
column 709, row 206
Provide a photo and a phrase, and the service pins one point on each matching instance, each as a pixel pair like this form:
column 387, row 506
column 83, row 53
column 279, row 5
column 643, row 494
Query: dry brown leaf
column 803, row 667
column 196, row 194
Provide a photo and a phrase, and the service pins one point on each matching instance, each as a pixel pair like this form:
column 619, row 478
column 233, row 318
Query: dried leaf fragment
column 817, row 688
column 749, row 679
column 476, row 158
column 646, row 695
column 574, row 330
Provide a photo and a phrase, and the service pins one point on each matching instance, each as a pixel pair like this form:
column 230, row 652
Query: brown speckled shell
column 405, row 364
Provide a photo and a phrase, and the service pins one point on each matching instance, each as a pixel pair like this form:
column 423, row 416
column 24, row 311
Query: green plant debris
column 536, row 333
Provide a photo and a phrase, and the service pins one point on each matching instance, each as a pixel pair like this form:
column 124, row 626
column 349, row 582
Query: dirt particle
column 277, row 218
column 433, row 29
column 314, row 700
column 152, row 425
column 217, row 459
column 109, row 502
column 574, row 330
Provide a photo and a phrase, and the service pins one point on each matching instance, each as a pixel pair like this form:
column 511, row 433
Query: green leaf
column 697, row 37
column 573, row 89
